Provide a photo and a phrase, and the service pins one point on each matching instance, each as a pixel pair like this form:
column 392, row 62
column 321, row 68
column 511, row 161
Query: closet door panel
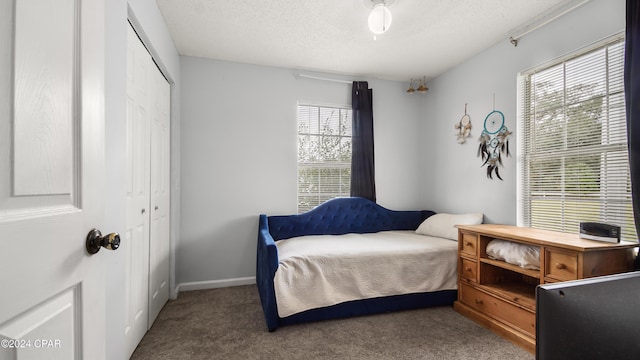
column 160, row 199
column 136, row 242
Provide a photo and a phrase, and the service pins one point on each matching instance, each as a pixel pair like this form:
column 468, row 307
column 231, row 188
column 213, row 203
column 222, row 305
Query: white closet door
column 160, row 203
column 148, row 191
column 136, row 238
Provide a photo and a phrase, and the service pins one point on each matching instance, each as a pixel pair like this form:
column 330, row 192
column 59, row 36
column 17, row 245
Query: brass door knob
column 95, row 241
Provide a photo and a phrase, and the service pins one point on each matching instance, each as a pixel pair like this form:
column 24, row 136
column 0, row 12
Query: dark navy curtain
column 363, row 182
column 632, row 96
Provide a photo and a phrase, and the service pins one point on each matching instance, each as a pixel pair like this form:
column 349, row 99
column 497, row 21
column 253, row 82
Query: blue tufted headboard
column 345, row 215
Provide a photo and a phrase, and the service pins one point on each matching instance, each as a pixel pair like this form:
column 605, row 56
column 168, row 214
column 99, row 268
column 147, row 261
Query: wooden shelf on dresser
column 501, row 296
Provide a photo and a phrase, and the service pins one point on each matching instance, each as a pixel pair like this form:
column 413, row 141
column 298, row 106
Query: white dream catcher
column 463, row 127
column 494, row 141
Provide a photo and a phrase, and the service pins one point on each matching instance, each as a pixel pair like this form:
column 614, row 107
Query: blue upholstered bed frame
column 336, row 217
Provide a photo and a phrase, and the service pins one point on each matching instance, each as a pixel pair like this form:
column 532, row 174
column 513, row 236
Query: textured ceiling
column 426, row 38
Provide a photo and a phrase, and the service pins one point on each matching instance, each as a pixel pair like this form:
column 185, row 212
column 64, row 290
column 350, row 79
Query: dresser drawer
column 469, row 244
column 561, row 265
column 468, row 270
column 498, row 309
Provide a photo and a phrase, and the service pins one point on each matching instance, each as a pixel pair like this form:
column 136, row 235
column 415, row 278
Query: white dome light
column 379, row 19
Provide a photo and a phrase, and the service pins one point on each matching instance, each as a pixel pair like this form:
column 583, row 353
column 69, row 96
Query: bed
column 351, row 256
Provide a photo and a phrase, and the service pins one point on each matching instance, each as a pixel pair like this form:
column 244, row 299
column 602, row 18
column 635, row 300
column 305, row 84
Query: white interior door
column 136, row 237
column 160, row 193
column 51, row 179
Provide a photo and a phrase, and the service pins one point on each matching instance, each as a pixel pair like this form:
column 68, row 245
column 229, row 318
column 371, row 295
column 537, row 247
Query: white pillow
column 443, row 225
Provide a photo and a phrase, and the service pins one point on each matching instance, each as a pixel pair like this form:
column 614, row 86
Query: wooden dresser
column 501, row 296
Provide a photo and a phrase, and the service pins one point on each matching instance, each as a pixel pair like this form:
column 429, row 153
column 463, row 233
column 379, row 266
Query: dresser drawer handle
column 469, row 243
column 468, row 268
column 561, row 266
column 479, row 301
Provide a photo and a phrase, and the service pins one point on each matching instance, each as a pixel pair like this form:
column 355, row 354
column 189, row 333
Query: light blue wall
column 237, row 139
column 238, row 157
column 452, row 177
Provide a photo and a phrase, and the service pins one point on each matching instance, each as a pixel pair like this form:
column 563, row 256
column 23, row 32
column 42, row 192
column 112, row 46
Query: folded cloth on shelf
column 525, row 256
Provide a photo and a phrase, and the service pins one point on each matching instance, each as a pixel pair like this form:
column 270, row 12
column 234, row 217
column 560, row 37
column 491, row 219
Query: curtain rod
column 323, row 79
column 544, row 18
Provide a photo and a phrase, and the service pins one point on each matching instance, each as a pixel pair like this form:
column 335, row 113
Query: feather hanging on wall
column 494, row 141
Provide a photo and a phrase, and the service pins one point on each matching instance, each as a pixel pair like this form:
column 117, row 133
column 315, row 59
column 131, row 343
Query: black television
column 593, row 318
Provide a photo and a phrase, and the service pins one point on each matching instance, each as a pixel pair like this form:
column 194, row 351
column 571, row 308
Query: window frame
column 321, row 164
column 524, row 212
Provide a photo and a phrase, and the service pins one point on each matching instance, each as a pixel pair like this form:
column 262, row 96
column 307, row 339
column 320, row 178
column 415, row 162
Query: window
column 574, row 165
column 324, row 154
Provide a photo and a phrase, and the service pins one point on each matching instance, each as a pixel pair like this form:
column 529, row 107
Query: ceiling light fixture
column 380, row 17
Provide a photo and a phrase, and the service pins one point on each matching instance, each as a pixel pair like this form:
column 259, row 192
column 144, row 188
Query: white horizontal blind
column 324, row 154
column 575, row 164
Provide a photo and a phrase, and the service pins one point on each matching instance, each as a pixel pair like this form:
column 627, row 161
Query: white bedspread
column 323, row 270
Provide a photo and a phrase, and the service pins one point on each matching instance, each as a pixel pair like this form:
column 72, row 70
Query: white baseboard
column 214, row 284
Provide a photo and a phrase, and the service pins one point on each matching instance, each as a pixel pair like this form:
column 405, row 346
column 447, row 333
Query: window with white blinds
column 324, row 154
column 575, row 164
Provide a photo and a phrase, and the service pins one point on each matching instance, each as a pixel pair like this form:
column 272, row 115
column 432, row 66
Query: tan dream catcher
column 463, row 127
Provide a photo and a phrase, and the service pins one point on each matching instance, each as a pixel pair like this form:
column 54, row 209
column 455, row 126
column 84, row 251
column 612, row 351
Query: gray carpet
column 228, row 323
